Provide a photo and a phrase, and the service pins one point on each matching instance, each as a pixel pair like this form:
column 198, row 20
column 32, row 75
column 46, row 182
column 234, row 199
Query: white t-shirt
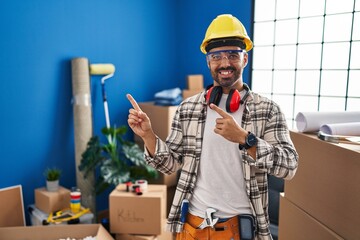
column 220, row 183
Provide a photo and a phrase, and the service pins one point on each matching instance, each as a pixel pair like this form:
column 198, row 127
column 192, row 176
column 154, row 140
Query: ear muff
column 213, row 95
column 233, row 101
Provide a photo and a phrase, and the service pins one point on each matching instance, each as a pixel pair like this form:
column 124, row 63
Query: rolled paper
column 312, row 121
column 346, row 129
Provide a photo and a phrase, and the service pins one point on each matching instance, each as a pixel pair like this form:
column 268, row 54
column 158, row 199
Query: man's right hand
column 140, row 123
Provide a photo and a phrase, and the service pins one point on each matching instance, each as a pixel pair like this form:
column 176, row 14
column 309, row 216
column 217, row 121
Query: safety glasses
column 232, row 56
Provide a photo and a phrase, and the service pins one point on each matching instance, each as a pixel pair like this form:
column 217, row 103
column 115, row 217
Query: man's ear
column 208, row 63
column 245, row 59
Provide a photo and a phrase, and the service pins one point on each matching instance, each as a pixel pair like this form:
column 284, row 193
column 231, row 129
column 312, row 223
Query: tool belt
column 242, row 227
column 224, row 229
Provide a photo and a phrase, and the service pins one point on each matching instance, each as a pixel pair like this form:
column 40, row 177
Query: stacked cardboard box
column 132, row 214
column 10, row 231
column 325, row 187
column 163, row 236
column 134, row 237
column 49, row 202
column 79, row 231
column 161, row 119
column 52, row 201
column 296, row 224
column 195, row 84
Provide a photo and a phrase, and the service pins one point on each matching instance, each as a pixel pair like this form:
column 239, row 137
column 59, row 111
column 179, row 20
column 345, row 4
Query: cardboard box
column 37, row 216
column 52, row 201
column 165, row 235
column 161, row 117
column 188, row 93
column 195, row 82
column 134, row 237
column 326, row 184
column 296, row 224
column 168, row 180
column 138, row 214
column 55, row 232
column 162, row 236
column 11, row 207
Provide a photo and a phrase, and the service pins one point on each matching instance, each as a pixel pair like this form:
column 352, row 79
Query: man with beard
column 226, row 140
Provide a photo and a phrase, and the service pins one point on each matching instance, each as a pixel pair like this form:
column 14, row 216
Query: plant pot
column 52, row 186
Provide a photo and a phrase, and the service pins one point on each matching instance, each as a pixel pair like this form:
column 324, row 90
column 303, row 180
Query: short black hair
column 229, row 41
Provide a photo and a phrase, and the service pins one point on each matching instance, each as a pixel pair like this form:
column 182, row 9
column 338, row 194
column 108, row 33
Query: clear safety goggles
column 232, row 56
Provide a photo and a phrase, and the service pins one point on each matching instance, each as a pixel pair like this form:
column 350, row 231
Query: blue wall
column 193, row 19
column 153, row 44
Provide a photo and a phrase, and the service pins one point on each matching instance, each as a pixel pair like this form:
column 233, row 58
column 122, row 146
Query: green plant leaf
column 52, row 174
column 92, row 157
column 118, row 160
column 114, row 175
column 134, row 154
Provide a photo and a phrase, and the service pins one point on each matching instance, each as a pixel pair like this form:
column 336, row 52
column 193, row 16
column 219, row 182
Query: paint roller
column 108, row 70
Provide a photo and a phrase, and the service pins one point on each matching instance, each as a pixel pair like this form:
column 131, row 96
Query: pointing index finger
column 219, row 110
column 133, row 102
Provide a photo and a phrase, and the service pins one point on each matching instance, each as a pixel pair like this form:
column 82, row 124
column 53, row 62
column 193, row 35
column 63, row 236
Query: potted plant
column 52, row 176
column 117, row 160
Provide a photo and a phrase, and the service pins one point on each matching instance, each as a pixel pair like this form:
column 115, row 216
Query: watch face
column 251, row 140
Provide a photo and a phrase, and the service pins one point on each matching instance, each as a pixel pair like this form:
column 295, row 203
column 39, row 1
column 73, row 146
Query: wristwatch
column 250, row 141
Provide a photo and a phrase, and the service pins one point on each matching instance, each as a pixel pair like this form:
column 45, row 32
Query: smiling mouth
column 226, row 73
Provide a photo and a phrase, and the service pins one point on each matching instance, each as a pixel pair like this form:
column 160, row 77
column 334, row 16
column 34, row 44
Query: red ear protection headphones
column 233, row 101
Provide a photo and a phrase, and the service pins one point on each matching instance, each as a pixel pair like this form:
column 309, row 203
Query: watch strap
column 244, row 146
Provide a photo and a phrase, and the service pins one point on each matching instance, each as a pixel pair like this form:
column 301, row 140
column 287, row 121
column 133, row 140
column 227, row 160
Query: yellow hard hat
column 226, row 26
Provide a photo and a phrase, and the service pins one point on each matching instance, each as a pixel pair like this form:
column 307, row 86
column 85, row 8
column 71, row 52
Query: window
column 306, row 54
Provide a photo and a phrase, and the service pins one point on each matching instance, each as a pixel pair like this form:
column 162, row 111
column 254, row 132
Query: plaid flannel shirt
column 275, row 154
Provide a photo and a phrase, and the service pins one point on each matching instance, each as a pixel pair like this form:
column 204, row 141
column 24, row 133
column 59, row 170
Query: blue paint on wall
column 153, row 44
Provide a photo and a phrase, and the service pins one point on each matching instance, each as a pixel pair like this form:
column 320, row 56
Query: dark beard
column 227, row 82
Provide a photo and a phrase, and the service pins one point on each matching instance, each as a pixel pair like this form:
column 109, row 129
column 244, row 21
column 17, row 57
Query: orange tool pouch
column 222, row 230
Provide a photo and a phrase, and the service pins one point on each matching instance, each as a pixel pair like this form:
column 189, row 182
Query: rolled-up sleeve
column 275, row 152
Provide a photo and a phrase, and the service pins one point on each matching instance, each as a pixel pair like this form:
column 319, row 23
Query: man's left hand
column 227, row 126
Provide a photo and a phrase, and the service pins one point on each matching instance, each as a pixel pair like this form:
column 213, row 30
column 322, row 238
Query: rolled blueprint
column 346, row 129
column 312, row 121
column 83, row 128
